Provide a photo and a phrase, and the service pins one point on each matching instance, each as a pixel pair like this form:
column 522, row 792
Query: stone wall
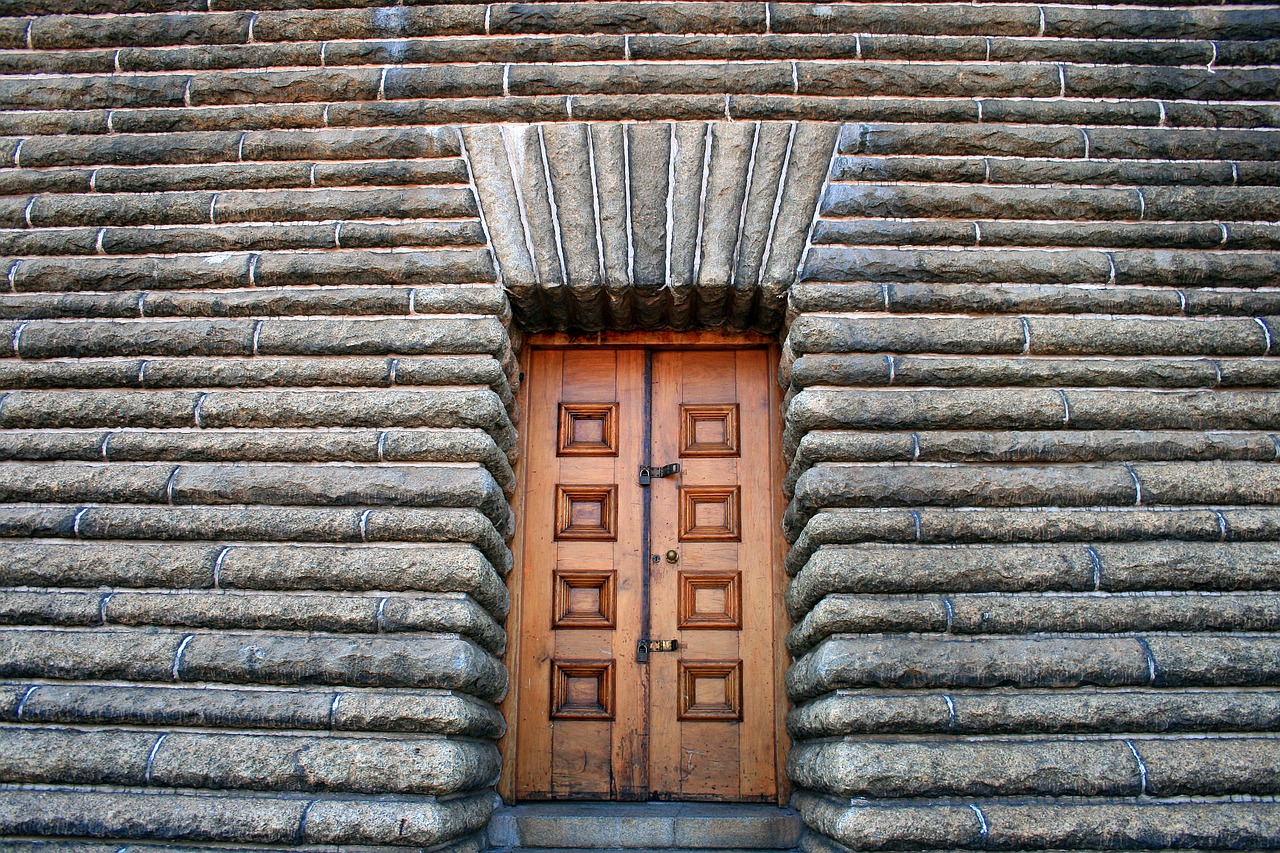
column 255, row 482
column 257, row 407
column 1032, row 413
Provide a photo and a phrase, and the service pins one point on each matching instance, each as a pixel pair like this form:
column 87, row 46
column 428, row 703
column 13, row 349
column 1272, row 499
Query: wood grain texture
column 698, row 722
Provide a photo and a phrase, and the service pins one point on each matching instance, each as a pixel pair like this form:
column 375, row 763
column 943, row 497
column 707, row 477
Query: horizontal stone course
column 1083, row 710
column 440, row 661
column 283, row 445
column 244, row 818
column 860, row 768
column 268, row 611
column 1024, row 568
column 1031, row 525
column 1202, row 660
column 306, row 763
column 1037, row 824
column 459, row 486
column 308, row 708
column 267, row 269
column 1028, row 375
column 1004, row 613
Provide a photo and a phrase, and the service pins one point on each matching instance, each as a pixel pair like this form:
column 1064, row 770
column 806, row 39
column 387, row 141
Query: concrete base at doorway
column 640, row 827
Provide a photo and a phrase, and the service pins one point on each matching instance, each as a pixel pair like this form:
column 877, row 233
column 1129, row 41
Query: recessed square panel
column 582, row 690
column 586, row 512
column 709, row 430
column 711, row 690
column 710, row 514
column 588, row 429
column 583, row 599
column 710, row 600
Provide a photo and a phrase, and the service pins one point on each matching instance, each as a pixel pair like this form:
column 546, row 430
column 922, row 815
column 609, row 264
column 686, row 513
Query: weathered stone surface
column 860, row 768
column 906, row 662
column 821, row 334
column 426, row 660
column 438, row 568
column 1214, row 660
column 1035, row 824
column 1005, row 613
column 1036, row 711
column 78, row 654
column 88, row 564
column 70, row 756
column 309, row 763
column 270, row 708
column 937, row 568
column 244, row 818
column 1219, row 765
column 459, row 486
column 836, row 486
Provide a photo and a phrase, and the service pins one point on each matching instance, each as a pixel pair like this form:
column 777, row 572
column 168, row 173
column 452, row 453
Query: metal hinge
column 648, row 471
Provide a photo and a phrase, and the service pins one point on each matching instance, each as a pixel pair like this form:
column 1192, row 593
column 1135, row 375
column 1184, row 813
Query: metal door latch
column 649, row 471
column 645, row 647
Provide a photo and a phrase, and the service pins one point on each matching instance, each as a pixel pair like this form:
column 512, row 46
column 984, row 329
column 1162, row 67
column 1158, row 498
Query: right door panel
column 712, row 707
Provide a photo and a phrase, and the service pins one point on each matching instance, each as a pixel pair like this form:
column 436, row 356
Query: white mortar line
column 22, row 703
column 817, row 208
column 516, row 175
column 1097, row 567
column 746, row 203
column 75, row 524
column 151, row 758
column 217, row 566
column 595, row 202
column 177, row 657
column 708, row 148
column 673, row 148
column 1222, row 525
column 777, row 200
column 626, row 186
column 1142, row 768
column 555, row 209
column 1137, row 485
column 982, row 821
column 168, row 486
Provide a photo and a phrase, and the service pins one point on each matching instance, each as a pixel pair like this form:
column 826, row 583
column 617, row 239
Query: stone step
column 642, row 827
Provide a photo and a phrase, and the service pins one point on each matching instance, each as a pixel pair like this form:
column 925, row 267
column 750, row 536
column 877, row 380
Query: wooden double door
column 646, row 656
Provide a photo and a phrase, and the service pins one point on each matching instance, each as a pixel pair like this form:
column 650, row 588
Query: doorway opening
column 647, row 625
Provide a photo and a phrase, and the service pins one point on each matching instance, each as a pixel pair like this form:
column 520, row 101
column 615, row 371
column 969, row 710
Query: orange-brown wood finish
column 593, row 721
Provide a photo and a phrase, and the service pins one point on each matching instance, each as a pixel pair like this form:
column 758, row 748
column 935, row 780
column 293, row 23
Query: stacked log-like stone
column 253, row 495
column 256, row 418
column 1033, row 423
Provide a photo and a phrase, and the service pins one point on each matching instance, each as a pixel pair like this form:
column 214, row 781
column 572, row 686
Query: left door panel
column 582, row 692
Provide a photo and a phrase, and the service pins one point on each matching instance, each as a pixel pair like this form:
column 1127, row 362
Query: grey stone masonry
column 256, row 444
column 1033, row 433
column 679, row 225
column 267, row 270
